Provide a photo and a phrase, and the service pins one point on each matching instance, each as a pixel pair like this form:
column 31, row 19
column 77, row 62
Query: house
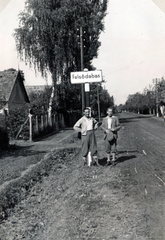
column 12, row 90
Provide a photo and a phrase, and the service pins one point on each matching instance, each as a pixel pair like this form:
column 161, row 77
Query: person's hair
column 161, row 103
column 86, row 109
column 110, row 108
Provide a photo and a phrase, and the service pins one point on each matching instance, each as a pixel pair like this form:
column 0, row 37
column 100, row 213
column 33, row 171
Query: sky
column 132, row 51
column 9, row 11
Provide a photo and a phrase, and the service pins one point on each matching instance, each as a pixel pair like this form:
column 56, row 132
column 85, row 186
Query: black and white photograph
column 82, row 119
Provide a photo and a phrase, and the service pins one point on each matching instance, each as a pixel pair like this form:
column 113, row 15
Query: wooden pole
column 98, row 101
column 37, row 124
column 46, row 121
column 30, row 127
column 42, row 122
column 82, row 67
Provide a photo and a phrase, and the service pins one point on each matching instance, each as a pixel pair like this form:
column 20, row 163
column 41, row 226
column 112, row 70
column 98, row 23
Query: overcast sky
column 132, row 51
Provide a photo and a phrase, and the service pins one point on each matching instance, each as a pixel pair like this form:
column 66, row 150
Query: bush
column 4, row 139
column 15, row 119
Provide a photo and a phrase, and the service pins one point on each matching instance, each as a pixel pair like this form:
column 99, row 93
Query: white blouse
column 89, row 122
column 109, row 122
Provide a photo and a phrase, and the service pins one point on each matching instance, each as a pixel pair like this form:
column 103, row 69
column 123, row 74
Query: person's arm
column 103, row 127
column 117, row 128
column 77, row 126
column 95, row 124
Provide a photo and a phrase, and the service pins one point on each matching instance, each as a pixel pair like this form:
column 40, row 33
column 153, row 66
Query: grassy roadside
column 23, row 166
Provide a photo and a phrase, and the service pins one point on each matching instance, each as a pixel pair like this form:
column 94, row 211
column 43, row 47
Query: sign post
column 86, row 77
column 82, row 66
column 87, row 95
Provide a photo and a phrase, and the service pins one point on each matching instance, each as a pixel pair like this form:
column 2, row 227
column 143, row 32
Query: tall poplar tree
column 48, row 36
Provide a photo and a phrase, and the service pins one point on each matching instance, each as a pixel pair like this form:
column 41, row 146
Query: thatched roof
column 7, row 80
column 12, row 89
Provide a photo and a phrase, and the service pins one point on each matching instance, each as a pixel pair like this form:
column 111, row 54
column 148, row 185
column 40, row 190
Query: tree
column 133, row 102
column 105, row 101
column 39, row 101
column 141, row 103
column 161, row 90
column 47, row 36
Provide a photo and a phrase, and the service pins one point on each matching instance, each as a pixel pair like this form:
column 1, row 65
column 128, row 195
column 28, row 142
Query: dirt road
column 72, row 202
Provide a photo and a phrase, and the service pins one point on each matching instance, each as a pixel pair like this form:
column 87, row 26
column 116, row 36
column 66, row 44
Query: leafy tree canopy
column 48, row 34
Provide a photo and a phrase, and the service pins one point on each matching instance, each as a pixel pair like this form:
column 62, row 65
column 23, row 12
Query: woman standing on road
column 86, row 126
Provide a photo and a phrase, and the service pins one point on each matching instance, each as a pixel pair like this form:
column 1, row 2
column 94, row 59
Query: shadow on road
column 125, row 158
column 103, row 161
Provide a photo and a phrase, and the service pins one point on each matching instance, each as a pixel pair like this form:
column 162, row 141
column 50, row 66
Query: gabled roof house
column 12, row 90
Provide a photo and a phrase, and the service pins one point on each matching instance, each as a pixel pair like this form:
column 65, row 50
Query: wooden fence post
column 57, row 122
column 62, row 120
column 37, row 124
column 54, row 120
column 49, row 116
column 46, row 121
column 30, row 127
column 42, row 122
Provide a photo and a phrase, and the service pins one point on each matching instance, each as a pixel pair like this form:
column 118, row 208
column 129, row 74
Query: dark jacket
column 115, row 125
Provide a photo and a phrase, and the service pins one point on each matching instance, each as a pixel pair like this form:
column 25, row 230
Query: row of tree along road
column 149, row 101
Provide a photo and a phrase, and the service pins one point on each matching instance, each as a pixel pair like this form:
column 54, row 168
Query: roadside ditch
column 14, row 190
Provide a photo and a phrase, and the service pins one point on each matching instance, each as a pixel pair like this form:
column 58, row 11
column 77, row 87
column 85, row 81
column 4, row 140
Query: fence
column 39, row 126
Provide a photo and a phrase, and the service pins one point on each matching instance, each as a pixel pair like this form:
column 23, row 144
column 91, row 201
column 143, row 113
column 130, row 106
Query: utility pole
column 156, row 81
column 82, row 67
column 98, row 101
column 84, row 87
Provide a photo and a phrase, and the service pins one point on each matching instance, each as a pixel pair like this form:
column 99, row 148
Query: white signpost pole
column 87, row 92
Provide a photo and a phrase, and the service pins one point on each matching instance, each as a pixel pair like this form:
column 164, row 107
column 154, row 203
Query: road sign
column 86, row 77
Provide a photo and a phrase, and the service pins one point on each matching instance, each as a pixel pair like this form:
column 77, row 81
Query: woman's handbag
column 110, row 136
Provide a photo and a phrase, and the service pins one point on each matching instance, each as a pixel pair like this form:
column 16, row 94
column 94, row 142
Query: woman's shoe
column 95, row 159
